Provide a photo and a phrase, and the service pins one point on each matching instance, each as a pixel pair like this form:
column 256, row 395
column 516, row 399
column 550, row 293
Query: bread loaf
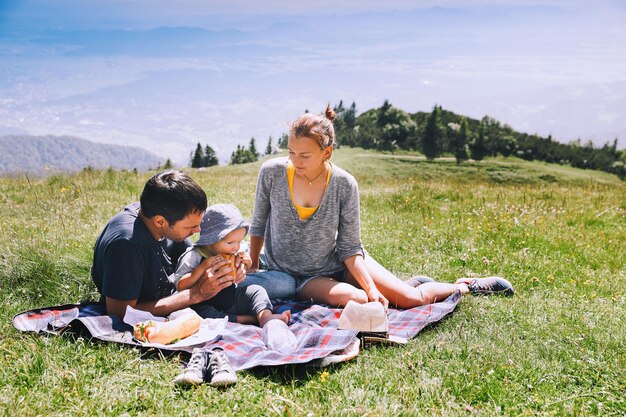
column 168, row 331
column 231, row 263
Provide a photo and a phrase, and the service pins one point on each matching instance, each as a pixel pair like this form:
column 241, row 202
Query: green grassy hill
column 557, row 347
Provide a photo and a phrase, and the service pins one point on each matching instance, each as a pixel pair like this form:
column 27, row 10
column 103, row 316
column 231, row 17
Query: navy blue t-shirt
column 129, row 264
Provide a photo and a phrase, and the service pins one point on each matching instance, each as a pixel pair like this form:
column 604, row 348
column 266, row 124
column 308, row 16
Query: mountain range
column 49, row 154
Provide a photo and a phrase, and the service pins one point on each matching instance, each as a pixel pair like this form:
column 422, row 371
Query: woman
column 307, row 214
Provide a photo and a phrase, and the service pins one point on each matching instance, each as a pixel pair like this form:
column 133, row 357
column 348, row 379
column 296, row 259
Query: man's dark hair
column 173, row 195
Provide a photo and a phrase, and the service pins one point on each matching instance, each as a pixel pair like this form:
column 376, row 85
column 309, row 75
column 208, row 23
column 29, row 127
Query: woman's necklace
column 316, row 177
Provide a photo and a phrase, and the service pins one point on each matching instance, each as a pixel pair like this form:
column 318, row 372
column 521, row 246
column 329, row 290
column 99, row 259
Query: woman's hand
column 374, row 295
column 256, row 244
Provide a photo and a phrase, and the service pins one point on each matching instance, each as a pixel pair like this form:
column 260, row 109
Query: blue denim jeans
column 279, row 285
column 283, row 286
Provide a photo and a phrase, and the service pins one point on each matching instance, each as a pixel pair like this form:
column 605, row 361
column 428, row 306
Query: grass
column 557, row 348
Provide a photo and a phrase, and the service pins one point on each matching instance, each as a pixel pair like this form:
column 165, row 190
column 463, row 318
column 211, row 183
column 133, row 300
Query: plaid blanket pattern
column 402, row 323
column 315, row 327
column 245, row 348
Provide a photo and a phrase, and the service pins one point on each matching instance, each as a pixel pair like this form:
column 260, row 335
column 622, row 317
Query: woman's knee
column 328, row 291
column 355, row 294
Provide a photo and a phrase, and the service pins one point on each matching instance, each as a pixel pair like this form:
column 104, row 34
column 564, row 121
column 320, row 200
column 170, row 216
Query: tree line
column 439, row 133
column 204, row 156
column 444, row 133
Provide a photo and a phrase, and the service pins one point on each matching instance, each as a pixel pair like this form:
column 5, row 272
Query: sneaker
column 491, row 285
column 194, row 373
column 219, row 370
column 417, row 281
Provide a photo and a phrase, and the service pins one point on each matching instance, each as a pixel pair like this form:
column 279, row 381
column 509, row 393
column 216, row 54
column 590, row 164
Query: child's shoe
column 219, row 372
column 195, row 371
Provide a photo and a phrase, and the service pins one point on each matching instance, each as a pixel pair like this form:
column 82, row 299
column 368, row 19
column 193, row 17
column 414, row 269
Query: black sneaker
column 417, row 281
column 194, row 373
column 219, row 370
column 491, row 285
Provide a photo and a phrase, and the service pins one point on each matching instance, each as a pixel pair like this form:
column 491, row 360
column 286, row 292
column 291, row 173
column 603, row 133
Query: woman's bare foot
column 267, row 315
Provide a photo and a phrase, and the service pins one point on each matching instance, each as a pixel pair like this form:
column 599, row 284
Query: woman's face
column 306, row 155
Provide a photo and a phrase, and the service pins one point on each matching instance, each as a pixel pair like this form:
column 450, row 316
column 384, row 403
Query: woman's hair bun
column 329, row 113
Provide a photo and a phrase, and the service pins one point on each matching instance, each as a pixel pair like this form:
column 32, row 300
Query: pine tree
column 253, row 153
column 198, row 157
column 283, row 141
column 350, row 117
column 237, row 156
column 241, row 155
column 460, row 145
column 349, row 122
column 383, row 112
column 339, row 123
column 431, row 144
column 478, row 148
column 210, row 158
column 168, row 164
column 269, row 148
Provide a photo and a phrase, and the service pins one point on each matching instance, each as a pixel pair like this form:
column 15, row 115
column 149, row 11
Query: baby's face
column 231, row 242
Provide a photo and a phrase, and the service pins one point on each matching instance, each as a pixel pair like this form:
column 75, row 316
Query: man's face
column 184, row 228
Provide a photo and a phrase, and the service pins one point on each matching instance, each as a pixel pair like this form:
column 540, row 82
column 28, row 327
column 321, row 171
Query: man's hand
column 215, row 279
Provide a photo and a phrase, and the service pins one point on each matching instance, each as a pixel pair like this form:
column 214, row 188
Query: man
column 139, row 248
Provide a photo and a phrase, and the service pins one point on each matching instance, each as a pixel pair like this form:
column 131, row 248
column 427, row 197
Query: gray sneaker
column 416, row 281
column 491, row 285
column 194, row 373
column 219, row 370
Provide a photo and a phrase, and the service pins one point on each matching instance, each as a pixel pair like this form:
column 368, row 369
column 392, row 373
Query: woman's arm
column 262, row 209
column 256, row 243
column 356, row 266
column 349, row 227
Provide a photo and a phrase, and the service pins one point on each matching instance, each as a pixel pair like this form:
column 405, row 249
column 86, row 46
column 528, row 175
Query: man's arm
column 208, row 285
column 162, row 307
column 189, row 279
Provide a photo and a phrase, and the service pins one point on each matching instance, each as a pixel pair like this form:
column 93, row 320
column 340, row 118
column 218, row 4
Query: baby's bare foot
column 284, row 317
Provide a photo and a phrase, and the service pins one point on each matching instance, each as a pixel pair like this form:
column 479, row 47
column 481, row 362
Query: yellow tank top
column 303, row 212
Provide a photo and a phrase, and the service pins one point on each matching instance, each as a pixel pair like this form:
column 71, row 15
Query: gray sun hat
column 218, row 221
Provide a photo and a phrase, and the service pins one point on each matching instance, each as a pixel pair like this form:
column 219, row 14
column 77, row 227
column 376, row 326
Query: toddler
column 221, row 232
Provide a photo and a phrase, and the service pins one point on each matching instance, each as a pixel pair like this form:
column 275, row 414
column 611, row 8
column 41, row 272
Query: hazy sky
column 164, row 75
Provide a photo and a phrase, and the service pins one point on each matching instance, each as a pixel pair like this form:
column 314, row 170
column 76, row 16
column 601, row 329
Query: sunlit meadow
column 556, row 348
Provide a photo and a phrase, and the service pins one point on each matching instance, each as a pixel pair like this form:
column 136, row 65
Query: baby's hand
column 212, row 260
column 244, row 258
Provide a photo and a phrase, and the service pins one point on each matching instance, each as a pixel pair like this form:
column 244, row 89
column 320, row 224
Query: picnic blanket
column 315, row 326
